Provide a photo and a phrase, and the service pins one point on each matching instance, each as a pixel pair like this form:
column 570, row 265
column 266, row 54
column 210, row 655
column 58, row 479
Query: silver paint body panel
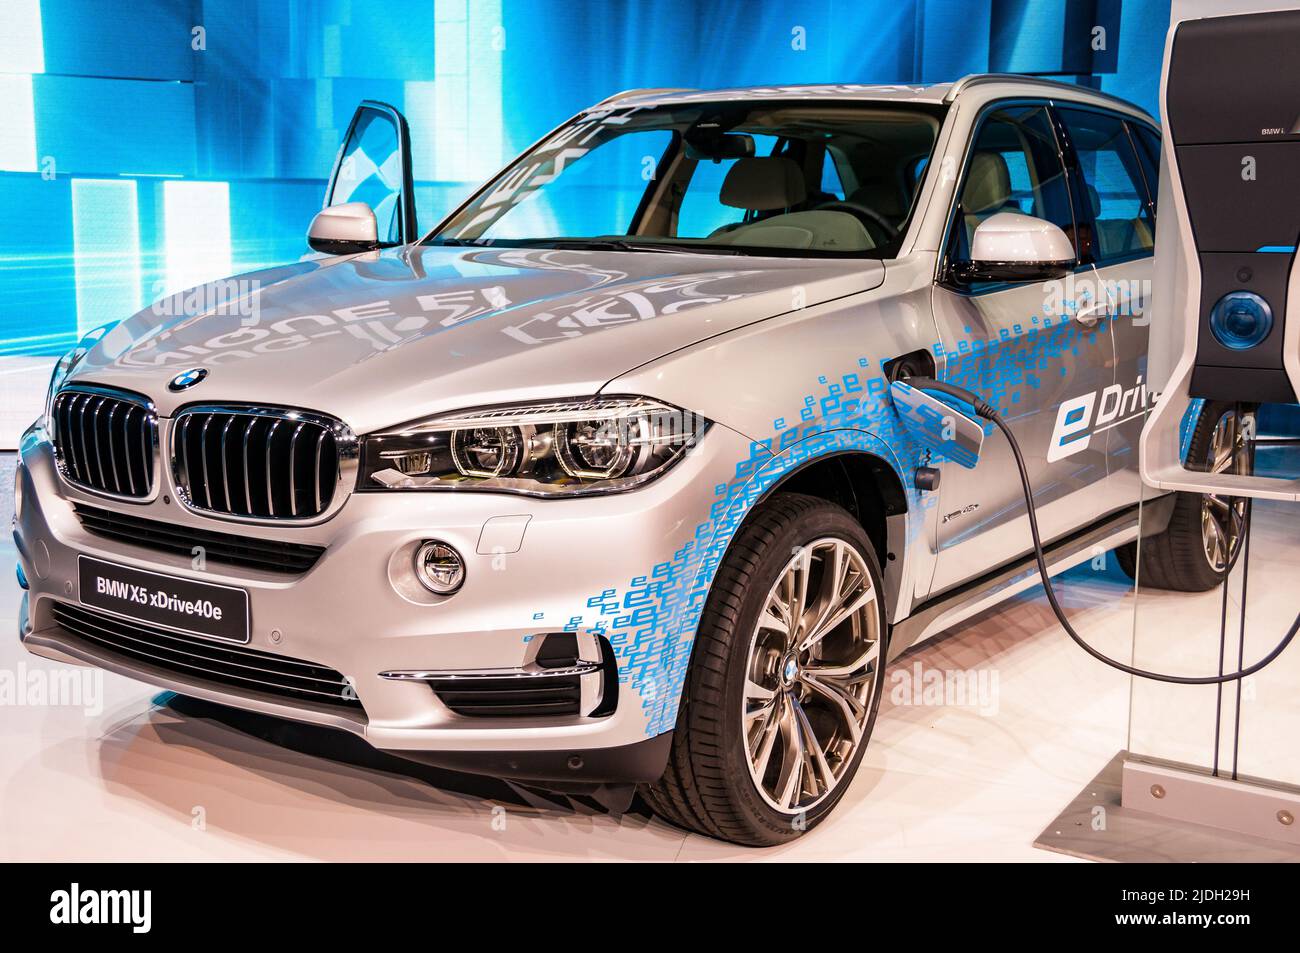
column 784, row 355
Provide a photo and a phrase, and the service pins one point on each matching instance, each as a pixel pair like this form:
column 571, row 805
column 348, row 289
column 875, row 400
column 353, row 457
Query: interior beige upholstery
column 763, row 184
column 987, row 190
column 988, row 184
column 820, row 230
column 1118, row 236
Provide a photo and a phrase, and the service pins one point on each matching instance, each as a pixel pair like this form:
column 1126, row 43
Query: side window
column 1014, row 166
column 370, row 169
column 1114, row 189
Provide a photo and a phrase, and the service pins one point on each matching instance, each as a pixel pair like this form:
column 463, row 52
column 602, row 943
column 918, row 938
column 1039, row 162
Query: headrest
column 763, row 184
column 988, row 183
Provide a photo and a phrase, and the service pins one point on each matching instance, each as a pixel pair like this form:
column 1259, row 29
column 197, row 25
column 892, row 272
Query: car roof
column 848, row 91
column 982, row 86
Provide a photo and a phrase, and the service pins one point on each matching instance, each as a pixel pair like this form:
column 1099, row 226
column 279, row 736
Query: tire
column 710, row 785
column 1186, row 557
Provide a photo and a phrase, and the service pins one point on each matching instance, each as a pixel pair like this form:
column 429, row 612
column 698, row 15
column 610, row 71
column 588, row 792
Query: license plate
column 200, row 608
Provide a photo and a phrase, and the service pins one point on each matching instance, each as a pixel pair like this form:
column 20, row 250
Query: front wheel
column 785, row 678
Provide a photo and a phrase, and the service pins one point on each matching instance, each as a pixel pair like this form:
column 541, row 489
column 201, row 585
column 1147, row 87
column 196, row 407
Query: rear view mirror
column 344, row 229
column 1010, row 246
column 708, row 143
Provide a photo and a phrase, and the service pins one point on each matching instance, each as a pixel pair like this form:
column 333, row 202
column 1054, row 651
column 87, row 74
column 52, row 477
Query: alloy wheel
column 810, row 675
column 1223, row 518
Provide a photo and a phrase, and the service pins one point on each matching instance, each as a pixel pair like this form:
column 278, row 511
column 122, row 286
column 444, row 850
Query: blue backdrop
column 150, row 145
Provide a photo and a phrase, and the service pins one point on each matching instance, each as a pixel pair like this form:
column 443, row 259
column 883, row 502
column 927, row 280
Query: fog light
column 1241, row 320
column 439, row 568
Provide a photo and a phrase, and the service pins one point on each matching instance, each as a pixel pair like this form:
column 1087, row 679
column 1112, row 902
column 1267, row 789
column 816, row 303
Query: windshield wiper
column 622, row 244
column 591, row 244
column 457, row 243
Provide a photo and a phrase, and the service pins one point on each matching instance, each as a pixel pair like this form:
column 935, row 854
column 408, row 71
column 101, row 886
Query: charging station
column 1227, row 329
column 1226, row 273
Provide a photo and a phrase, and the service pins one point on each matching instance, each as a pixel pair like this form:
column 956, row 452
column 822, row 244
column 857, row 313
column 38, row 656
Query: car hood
column 386, row 337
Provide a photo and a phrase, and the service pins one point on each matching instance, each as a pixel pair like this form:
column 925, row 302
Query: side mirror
column 1009, row 246
column 344, row 229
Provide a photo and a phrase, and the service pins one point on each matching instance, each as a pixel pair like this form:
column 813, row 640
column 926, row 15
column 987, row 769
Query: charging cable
column 988, row 412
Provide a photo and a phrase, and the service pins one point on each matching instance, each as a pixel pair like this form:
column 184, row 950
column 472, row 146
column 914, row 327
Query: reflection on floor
column 973, row 772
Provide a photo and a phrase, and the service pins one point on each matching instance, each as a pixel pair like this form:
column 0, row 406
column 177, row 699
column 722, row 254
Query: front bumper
column 357, row 612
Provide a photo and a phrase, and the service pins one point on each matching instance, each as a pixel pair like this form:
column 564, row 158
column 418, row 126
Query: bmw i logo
column 187, row 379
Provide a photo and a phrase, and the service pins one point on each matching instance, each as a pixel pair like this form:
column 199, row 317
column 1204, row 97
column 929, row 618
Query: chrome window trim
column 943, row 265
column 349, row 460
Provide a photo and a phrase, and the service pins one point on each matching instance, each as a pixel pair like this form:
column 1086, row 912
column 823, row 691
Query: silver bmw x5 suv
column 613, row 478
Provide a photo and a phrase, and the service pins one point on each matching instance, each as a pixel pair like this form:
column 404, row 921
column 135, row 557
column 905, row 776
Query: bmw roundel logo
column 187, row 379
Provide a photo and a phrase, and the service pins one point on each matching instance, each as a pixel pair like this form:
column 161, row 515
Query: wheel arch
column 863, row 483
column 869, row 486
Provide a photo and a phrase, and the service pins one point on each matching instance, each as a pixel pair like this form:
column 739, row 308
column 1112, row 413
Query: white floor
column 941, row 781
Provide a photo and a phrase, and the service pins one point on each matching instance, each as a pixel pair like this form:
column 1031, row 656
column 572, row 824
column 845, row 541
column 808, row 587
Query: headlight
column 563, row 448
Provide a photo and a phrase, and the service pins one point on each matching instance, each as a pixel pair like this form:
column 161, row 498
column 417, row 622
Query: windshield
column 806, row 179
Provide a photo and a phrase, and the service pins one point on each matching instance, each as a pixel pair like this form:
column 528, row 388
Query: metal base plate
column 1096, row 826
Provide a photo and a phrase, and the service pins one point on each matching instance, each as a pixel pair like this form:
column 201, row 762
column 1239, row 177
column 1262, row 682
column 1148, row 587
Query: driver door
column 373, row 165
column 1026, row 347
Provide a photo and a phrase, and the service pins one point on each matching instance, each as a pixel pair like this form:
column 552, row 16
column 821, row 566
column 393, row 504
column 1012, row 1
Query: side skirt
column 946, row 610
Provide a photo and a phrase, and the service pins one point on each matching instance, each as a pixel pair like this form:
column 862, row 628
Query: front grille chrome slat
column 293, row 473
column 225, row 465
column 83, row 462
column 272, row 460
column 270, row 491
column 248, row 494
column 99, row 444
column 63, row 435
column 86, row 419
column 112, row 449
column 320, row 474
column 126, row 448
column 203, row 455
column 148, row 447
column 182, row 447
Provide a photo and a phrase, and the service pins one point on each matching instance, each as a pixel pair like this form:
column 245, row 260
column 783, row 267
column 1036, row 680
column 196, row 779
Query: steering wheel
column 868, row 216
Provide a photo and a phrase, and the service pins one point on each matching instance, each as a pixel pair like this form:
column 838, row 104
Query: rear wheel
column 785, row 678
column 1204, row 535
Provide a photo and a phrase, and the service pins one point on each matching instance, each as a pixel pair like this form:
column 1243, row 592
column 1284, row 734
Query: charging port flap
column 938, row 425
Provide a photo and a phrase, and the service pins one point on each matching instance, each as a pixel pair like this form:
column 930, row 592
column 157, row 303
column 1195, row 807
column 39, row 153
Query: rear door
column 1026, row 347
column 373, row 165
column 1115, row 178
